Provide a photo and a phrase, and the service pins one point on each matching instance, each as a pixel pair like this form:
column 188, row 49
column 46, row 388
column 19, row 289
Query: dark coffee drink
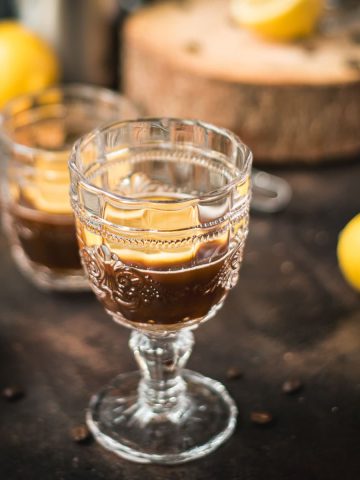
column 154, row 296
column 47, row 240
column 155, row 282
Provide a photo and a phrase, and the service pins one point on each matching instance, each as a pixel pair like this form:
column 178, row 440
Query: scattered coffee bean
column 261, row 417
column 287, row 267
column 291, row 386
column 233, row 373
column 81, row 434
column 289, row 357
column 13, row 393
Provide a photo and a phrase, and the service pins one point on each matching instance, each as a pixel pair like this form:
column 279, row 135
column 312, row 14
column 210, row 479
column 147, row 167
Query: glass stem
column 161, row 359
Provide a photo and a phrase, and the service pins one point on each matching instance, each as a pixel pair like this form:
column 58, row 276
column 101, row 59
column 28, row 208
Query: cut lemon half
column 278, row 19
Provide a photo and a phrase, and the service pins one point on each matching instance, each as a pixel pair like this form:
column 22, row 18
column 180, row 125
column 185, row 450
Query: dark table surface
column 291, row 315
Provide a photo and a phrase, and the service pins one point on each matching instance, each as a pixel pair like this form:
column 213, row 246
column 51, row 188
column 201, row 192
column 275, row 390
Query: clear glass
column 37, row 133
column 162, row 210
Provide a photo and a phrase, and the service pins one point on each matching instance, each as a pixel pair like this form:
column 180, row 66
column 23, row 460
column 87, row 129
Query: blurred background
column 285, row 76
column 233, row 63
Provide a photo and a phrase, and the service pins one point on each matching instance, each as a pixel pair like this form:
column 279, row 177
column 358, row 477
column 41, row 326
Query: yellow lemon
column 28, row 63
column 348, row 252
column 278, row 19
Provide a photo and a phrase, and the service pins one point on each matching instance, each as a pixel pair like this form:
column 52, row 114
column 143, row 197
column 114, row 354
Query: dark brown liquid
column 160, row 297
column 48, row 240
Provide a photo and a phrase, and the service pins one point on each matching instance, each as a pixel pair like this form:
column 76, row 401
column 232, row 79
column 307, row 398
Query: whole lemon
column 348, row 252
column 28, row 63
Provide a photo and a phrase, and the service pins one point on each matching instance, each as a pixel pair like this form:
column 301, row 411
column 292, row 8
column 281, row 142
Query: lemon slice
column 278, row 19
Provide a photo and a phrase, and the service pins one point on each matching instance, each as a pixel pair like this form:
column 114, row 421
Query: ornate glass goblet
column 161, row 209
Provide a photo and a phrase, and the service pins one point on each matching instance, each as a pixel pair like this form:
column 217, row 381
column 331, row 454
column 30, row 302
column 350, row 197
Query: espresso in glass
column 159, row 284
column 37, row 133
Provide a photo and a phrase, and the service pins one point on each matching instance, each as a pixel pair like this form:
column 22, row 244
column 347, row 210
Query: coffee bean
column 81, row 434
column 292, row 386
column 12, row 393
column 261, row 417
column 234, row 373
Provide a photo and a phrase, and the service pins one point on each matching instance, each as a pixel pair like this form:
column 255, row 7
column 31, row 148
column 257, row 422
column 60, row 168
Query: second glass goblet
column 162, row 210
column 37, row 132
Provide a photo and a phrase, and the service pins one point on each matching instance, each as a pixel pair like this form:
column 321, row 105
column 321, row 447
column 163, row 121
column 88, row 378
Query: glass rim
column 82, row 90
column 235, row 140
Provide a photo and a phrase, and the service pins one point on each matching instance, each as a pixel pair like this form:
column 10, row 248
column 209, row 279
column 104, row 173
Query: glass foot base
column 123, row 425
column 46, row 279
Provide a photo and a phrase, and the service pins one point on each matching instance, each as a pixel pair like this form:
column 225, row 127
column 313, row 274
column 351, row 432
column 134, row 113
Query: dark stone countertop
column 291, row 315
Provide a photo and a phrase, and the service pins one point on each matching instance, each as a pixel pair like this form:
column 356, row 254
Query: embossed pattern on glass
column 162, row 211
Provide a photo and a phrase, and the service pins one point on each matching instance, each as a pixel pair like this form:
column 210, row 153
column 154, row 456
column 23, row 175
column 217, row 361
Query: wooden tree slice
column 288, row 102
